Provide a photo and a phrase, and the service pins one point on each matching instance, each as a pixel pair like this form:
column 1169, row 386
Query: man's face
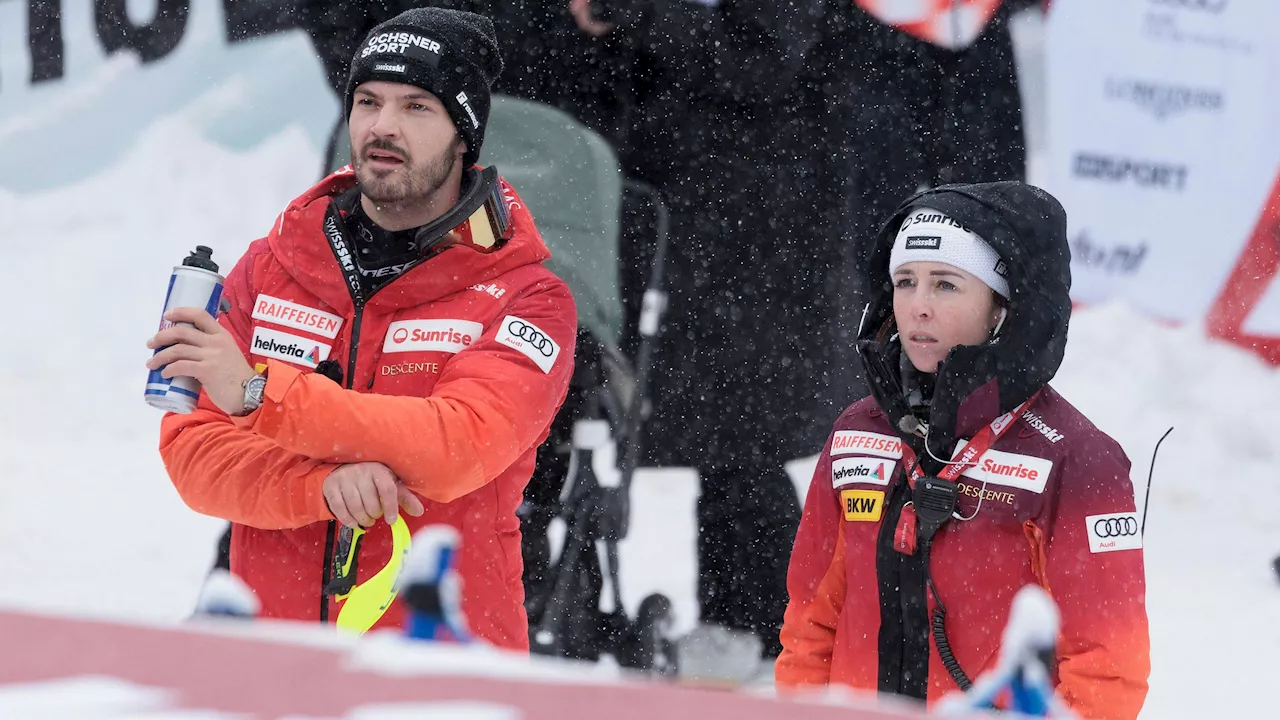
column 404, row 146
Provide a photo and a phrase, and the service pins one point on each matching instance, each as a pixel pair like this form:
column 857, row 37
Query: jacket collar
column 298, row 242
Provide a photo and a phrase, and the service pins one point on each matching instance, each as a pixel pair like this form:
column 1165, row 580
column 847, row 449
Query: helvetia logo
column 861, row 469
column 268, row 346
column 290, row 348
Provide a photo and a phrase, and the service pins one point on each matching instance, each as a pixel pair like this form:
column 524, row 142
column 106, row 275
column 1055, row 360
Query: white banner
column 1163, row 139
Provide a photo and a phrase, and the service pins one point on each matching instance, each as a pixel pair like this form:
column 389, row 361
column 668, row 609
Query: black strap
column 344, row 250
column 889, row 574
column 904, row 608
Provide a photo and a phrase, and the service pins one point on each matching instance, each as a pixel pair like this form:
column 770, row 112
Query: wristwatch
column 253, row 388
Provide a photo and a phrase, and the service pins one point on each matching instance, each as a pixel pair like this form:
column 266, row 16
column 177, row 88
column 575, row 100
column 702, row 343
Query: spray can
column 194, row 283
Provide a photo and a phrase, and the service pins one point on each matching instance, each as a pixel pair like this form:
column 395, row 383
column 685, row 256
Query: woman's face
column 938, row 307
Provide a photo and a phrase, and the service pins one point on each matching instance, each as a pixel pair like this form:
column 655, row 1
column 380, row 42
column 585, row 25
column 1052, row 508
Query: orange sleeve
column 809, row 629
column 1104, row 652
column 222, row 471
column 225, row 472
column 815, row 585
column 492, row 404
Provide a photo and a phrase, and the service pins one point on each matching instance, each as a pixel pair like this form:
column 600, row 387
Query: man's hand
column 206, row 352
column 360, row 493
column 586, row 19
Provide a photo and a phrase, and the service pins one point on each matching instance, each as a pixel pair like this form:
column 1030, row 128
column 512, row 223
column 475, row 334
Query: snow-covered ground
column 93, row 527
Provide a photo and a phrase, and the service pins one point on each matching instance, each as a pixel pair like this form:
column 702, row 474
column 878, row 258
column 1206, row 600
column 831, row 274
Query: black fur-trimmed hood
column 976, row 384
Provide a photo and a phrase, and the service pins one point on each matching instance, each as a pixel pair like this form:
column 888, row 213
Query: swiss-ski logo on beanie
column 924, row 242
column 411, row 45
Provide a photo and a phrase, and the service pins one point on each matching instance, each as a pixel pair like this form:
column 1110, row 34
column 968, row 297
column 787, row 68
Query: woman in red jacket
column 965, row 477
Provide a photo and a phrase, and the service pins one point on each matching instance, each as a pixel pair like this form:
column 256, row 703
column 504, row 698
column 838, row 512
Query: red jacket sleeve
column 223, row 471
column 815, row 584
column 1095, row 574
column 492, row 404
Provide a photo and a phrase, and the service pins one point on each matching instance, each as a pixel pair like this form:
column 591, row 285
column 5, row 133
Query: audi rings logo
column 1116, row 527
column 1113, row 532
column 532, row 341
column 533, row 336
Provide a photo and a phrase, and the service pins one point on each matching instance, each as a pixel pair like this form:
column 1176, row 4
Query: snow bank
column 91, row 521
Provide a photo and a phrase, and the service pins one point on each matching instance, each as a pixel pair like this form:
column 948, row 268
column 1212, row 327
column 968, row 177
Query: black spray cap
column 201, row 257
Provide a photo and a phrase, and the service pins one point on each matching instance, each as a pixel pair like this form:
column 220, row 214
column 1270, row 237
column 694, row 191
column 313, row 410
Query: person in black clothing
column 717, row 129
column 903, row 113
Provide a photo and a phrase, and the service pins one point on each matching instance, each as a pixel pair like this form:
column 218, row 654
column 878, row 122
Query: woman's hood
column 975, row 384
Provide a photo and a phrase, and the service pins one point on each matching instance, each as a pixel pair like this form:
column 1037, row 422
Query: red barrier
column 1254, row 272
column 270, row 671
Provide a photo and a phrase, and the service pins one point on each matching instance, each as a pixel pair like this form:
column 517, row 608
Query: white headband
column 931, row 236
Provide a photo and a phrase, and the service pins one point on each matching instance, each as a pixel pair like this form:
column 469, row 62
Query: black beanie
column 450, row 53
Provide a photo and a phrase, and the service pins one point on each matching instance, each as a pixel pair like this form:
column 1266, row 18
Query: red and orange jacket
column 453, row 373
column 1057, row 509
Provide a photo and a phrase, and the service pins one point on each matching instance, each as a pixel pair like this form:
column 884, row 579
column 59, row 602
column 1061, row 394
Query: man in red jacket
column 394, row 342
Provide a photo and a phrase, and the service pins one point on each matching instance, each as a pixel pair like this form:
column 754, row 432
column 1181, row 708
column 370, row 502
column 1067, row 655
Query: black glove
column 330, row 369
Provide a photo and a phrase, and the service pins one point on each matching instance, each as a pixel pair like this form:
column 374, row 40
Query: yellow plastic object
column 368, row 601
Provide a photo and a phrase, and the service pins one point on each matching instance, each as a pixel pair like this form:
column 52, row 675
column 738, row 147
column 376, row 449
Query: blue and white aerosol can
column 194, row 283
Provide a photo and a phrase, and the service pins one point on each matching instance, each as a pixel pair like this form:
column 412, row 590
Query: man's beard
column 414, row 182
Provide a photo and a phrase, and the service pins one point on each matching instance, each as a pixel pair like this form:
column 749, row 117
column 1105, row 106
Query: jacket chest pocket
column 992, row 503
column 1006, row 487
column 412, row 353
column 408, row 374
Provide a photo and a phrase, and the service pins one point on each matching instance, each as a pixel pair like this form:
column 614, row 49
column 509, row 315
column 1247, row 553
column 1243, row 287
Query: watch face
column 253, row 391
